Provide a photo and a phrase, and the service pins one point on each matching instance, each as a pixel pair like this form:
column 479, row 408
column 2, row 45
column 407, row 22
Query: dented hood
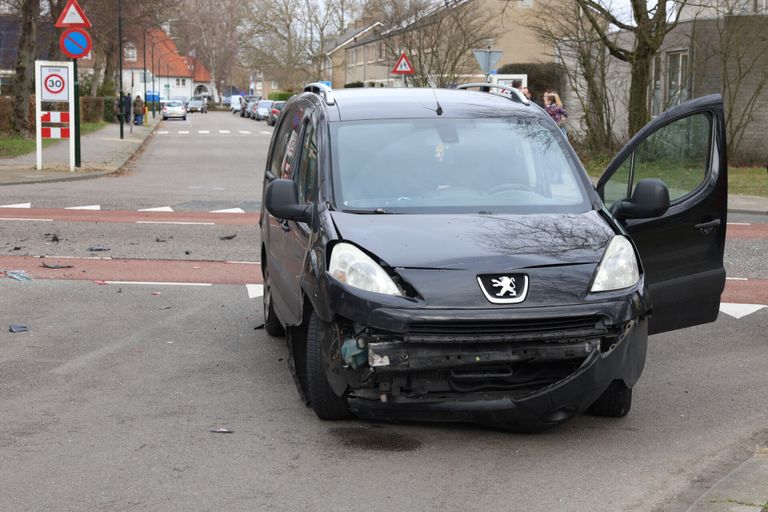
column 463, row 241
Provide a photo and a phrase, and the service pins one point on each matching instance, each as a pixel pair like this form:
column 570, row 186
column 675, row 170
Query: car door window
column 678, row 154
column 286, row 146
column 306, row 174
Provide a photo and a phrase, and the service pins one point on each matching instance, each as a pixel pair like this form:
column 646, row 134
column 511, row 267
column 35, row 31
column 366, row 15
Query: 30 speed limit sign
column 55, row 83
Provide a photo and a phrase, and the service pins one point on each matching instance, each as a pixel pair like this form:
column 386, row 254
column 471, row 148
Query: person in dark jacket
column 138, row 111
column 127, row 108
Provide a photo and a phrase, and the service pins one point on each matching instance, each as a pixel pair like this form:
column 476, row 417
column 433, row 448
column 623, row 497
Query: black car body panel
column 445, row 347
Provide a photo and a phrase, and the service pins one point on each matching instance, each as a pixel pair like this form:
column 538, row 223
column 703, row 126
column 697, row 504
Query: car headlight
column 618, row 268
column 353, row 267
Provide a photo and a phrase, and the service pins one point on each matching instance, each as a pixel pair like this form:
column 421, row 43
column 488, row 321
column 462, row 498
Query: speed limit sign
column 55, row 83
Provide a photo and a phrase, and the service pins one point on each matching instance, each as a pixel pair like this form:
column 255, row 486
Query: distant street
column 150, row 338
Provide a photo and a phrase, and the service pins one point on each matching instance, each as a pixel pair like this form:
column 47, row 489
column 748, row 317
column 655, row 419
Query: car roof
column 399, row 103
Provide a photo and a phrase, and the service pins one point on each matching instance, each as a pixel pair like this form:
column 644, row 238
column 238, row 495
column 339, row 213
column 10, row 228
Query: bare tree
column 29, row 11
column 652, row 21
column 439, row 39
column 734, row 49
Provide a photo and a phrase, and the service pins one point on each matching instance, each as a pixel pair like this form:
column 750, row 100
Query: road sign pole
column 76, row 114
column 38, row 109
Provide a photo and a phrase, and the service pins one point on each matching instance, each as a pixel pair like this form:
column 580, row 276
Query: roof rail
column 323, row 90
column 514, row 94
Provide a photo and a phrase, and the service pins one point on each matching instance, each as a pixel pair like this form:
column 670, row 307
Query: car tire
column 184, row 118
column 271, row 323
column 615, row 402
column 165, row 118
column 326, row 404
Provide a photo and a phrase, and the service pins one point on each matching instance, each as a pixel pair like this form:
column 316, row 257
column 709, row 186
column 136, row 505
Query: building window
column 178, row 82
column 183, row 81
column 146, row 77
column 677, row 78
column 274, row 85
column 383, row 50
column 359, row 56
column 130, row 52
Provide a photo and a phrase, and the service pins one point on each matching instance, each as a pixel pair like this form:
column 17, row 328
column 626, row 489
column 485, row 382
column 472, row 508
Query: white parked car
column 174, row 108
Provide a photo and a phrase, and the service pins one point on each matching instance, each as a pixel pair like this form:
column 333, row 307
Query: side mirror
column 282, row 201
column 650, row 199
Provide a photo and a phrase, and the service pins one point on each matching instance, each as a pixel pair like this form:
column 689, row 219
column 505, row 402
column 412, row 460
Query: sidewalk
column 102, row 152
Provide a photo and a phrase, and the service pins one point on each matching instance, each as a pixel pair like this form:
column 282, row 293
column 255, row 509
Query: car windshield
column 265, row 103
column 449, row 165
column 174, row 104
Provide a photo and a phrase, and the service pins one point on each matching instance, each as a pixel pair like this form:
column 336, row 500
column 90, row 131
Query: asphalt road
column 108, row 401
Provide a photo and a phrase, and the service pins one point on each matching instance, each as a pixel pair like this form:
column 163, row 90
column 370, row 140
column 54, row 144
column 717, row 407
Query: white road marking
column 157, row 209
column 739, row 224
column 736, row 279
column 91, row 207
column 170, row 222
column 204, row 132
column 244, row 132
column 224, row 131
column 20, row 205
column 163, row 132
column 183, row 132
column 244, row 262
column 228, row 210
column 195, row 188
column 31, row 220
column 739, row 310
column 158, row 283
column 265, row 133
column 255, row 290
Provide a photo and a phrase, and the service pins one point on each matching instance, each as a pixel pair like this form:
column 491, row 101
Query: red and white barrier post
column 54, row 83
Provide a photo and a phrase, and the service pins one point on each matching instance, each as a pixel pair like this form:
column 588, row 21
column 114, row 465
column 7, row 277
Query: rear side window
column 286, row 145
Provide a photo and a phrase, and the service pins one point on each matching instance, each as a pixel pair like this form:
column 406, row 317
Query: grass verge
column 13, row 145
column 748, row 181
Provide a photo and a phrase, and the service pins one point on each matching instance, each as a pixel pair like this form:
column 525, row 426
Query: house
column 716, row 48
column 333, row 67
column 370, row 57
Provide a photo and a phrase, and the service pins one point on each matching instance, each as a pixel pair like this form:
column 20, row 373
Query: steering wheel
column 509, row 186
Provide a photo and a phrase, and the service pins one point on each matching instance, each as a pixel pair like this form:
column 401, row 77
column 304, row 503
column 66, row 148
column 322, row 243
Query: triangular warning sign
column 403, row 66
column 73, row 16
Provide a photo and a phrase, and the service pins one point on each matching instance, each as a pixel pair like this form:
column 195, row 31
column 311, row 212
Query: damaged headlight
column 353, row 267
column 618, row 268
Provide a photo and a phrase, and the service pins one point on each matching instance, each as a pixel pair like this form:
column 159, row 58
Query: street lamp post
column 120, row 60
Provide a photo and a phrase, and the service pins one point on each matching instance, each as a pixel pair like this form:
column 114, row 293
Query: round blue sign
column 75, row 43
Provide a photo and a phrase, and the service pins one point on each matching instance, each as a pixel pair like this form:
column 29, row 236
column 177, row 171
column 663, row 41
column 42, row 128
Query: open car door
column 681, row 250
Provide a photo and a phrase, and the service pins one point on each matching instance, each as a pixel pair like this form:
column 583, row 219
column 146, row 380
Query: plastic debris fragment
column 19, row 275
column 228, row 237
column 98, row 248
column 17, row 328
column 222, row 430
column 55, row 265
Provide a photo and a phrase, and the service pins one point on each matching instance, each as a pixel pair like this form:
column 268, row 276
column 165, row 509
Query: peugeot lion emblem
column 504, row 288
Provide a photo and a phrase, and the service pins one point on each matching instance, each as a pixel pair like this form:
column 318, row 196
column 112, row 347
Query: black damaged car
column 442, row 254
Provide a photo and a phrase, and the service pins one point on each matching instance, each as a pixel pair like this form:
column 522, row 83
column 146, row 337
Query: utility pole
column 120, row 60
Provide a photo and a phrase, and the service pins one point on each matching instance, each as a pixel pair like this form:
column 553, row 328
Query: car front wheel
column 615, row 402
column 271, row 322
column 326, row 404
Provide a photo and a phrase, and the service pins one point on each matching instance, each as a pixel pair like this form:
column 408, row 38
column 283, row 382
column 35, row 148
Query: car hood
column 478, row 242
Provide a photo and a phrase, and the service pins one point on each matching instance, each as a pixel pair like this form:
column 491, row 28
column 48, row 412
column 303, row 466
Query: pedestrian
column 555, row 111
column 138, row 111
column 127, row 108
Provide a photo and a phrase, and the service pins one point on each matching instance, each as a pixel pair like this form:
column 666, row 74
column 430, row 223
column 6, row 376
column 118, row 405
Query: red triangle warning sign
column 403, row 66
column 73, row 16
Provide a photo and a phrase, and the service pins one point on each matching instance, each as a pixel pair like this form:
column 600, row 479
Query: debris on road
column 98, row 248
column 17, row 328
column 228, row 237
column 187, row 252
column 52, row 237
column 19, row 275
column 222, row 430
column 164, row 307
column 55, row 265
column 158, row 239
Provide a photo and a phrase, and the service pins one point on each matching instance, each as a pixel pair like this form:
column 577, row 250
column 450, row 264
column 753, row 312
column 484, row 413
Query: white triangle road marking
column 183, row 132
column 203, row 132
column 244, row 132
column 255, row 290
column 157, row 209
column 266, row 133
column 739, row 310
column 228, row 210
column 90, row 207
column 20, row 205
column 224, row 131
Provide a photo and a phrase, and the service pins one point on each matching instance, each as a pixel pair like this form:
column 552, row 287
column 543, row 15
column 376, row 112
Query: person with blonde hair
column 555, row 110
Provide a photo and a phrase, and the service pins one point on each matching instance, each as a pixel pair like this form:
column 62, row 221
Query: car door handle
column 285, row 225
column 707, row 227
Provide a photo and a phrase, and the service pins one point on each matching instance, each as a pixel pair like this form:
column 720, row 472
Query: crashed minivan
column 442, row 255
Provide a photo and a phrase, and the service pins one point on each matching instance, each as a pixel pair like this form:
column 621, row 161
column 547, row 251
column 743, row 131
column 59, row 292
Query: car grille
column 539, row 329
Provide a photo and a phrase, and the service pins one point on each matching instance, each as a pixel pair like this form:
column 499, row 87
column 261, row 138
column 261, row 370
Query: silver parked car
column 174, row 108
column 262, row 109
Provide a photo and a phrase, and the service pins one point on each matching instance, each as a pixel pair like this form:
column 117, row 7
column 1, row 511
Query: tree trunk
column 108, row 84
column 638, row 91
column 25, row 66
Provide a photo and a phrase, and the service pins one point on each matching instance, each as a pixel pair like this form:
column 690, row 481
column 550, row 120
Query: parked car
column 245, row 101
column 262, row 109
column 174, row 108
column 226, row 101
column 274, row 112
column 197, row 105
column 183, row 99
column 448, row 258
column 236, row 103
column 251, row 108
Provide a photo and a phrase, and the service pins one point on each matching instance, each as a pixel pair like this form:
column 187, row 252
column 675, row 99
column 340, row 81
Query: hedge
column 280, row 95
